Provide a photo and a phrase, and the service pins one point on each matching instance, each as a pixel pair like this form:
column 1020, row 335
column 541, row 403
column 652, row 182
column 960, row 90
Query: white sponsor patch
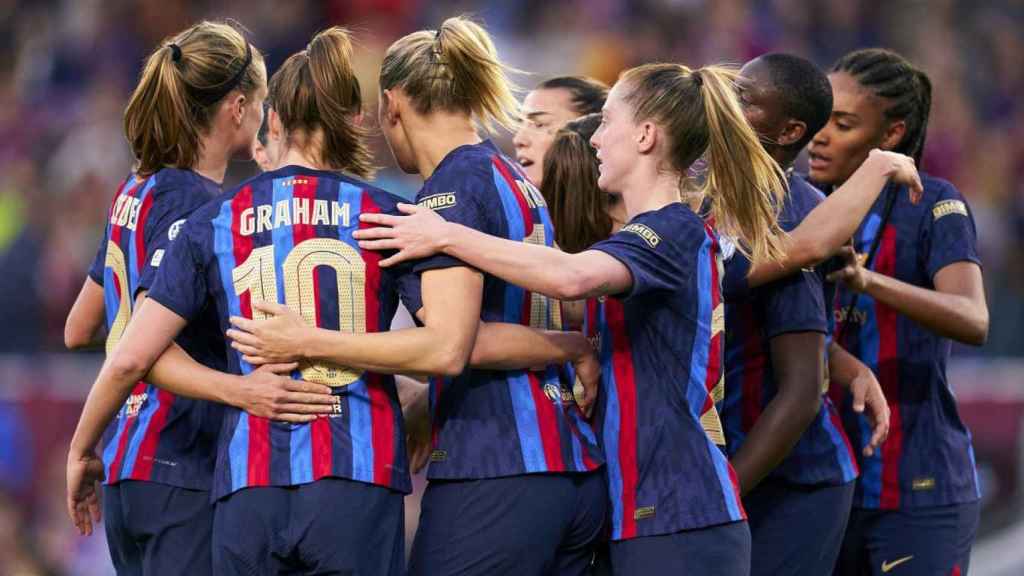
column 158, row 257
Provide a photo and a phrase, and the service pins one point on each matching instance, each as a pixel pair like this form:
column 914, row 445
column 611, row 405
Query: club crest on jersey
column 437, row 202
column 175, row 229
column 947, row 207
column 554, row 392
column 645, row 232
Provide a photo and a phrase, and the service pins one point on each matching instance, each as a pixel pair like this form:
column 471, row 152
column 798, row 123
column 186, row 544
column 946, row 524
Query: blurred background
column 67, row 68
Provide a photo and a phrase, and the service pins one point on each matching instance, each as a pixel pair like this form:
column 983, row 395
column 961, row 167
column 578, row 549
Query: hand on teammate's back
column 278, row 338
column 419, row 234
column 270, row 393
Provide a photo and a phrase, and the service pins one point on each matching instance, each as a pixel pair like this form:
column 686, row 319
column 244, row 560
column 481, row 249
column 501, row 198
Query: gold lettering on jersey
column 437, row 202
column 644, row 512
column 645, row 232
column 712, row 424
column 126, row 212
column 438, row 456
column 554, row 392
column 947, row 207
column 923, row 483
column 534, row 198
column 266, row 217
column 718, row 320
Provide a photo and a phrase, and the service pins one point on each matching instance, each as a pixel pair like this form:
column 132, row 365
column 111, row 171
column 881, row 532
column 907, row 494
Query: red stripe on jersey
column 147, row 450
column 956, row 571
column 888, row 376
column 321, row 439
column 625, row 387
column 753, row 369
column 140, row 234
column 382, row 411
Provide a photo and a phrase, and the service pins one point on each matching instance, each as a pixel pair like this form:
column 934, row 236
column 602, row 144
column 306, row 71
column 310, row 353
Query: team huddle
column 649, row 345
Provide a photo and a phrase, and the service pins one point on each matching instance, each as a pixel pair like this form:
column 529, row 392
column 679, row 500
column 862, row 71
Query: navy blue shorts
column 156, row 529
column 786, row 518
column 524, row 525
column 722, row 550
column 331, row 526
column 933, row 541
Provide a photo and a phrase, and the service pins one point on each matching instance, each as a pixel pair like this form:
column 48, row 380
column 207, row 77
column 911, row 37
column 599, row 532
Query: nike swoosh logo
column 887, row 566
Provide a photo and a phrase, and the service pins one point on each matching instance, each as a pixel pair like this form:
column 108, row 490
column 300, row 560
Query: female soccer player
column 513, row 486
column 197, row 105
column 917, row 500
column 547, row 108
column 673, row 494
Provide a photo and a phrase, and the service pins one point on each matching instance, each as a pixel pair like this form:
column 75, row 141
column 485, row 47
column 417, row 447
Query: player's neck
column 293, row 156
column 213, row 158
column 648, row 190
column 433, row 137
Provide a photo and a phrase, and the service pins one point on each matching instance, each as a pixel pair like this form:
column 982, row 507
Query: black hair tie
column 437, row 33
column 175, row 52
column 697, row 77
column 213, row 96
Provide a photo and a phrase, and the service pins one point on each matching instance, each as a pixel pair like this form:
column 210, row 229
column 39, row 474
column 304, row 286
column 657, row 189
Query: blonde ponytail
column 702, row 116
column 453, row 69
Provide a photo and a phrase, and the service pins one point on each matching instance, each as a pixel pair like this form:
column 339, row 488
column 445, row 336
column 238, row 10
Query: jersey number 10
column 258, row 276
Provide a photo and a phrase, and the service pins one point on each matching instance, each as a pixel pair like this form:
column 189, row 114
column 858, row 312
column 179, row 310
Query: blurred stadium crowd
column 69, row 65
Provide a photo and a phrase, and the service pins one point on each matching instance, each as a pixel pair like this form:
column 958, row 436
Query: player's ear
column 792, row 132
column 894, row 133
column 389, row 112
column 236, row 107
column 646, row 137
column 275, row 130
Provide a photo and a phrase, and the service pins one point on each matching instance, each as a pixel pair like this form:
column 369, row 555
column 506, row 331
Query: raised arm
column 833, row 222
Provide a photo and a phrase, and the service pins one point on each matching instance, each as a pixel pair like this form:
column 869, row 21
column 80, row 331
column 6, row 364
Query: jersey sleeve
column 171, row 208
column 735, row 285
column 950, row 234
column 794, row 304
column 99, row 262
column 463, row 203
column 180, row 283
column 651, row 248
column 409, row 289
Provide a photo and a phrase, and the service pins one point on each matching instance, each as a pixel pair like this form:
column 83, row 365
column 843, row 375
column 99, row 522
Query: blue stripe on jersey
column 611, row 423
column 300, row 453
column 842, row 454
column 110, row 451
column 974, row 465
column 360, row 429
column 871, row 467
column 144, row 418
column 224, row 248
column 724, row 480
column 360, row 419
column 527, row 427
column 696, row 390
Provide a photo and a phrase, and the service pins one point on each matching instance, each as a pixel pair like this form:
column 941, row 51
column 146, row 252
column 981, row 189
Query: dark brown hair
column 316, row 95
column 586, row 94
column 579, row 209
column 180, row 89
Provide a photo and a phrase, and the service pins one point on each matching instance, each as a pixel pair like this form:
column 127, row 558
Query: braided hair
column 907, row 90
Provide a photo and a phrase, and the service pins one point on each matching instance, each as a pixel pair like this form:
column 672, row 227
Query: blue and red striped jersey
column 927, row 459
column 660, row 346
column 156, row 435
column 798, row 303
column 286, row 237
column 489, row 423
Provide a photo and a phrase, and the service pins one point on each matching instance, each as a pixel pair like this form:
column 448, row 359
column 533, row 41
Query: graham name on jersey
column 293, row 211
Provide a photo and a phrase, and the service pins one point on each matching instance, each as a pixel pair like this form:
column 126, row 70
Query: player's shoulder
column 672, row 227
column 375, row 197
column 801, row 198
column 942, row 198
column 185, row 187
column 466, row 169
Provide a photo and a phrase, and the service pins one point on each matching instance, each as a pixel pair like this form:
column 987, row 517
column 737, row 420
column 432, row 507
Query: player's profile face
column 545, row 112
column 760, row 101
column 614, row 140
column 857, row 125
